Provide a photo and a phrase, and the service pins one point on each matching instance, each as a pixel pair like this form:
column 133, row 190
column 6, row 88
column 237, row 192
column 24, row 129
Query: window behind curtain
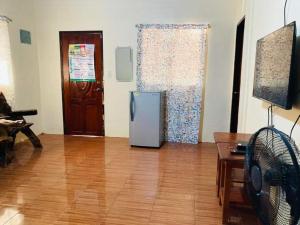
column 6, row 78
column 171, row 58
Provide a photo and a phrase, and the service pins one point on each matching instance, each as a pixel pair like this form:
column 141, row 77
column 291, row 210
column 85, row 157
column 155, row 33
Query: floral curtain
column 172, row 58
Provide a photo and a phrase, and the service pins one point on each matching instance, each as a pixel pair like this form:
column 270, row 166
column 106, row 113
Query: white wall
column 241, row 10
column 24, row 57
column 117, row 19
column 263, row 17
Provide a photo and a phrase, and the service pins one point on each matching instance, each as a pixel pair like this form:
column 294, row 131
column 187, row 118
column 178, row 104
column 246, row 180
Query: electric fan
column 272, row 177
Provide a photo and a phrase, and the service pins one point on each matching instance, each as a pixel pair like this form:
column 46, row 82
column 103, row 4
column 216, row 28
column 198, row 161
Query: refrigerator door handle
column 131, row 106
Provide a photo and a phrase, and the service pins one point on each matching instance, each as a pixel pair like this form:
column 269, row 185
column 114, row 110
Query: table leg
column 218, row 175
column 226, row 193
column 221, row 179
column 218, row 170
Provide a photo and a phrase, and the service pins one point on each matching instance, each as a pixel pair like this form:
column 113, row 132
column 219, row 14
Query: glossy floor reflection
column 77, row 180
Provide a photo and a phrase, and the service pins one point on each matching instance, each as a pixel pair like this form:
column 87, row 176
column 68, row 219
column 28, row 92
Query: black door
column 237, row 76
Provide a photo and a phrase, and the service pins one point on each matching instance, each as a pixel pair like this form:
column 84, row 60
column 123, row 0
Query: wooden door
column 237, row 76
column 82, row 101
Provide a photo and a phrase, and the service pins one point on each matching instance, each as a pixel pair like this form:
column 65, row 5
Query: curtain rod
column 5, row 18
column 179, row 25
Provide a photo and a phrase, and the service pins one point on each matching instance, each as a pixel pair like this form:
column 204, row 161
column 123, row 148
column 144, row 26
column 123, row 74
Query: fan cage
column 272, row 149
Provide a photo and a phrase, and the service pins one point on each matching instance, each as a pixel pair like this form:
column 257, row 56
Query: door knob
column 98, row 89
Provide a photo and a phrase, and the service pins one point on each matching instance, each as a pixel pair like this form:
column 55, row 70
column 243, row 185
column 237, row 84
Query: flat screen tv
column 275, row 67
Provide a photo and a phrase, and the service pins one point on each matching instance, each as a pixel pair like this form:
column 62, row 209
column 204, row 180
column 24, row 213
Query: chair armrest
column 4, row 117
column 31, row 112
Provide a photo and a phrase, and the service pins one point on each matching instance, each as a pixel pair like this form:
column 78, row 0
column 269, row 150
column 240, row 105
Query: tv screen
column 274, row 67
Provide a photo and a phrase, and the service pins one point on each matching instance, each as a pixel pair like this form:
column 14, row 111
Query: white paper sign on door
column 81, row 62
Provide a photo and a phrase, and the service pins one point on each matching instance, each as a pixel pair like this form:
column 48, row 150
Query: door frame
column 98, row 32
column 239, row 44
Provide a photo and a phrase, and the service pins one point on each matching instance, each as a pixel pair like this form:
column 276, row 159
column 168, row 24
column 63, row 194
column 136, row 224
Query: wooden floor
column 77, row 180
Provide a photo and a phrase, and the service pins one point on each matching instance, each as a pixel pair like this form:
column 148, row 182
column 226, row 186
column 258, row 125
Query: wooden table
column 225, row 137
column 231, row 137
column 227, row 166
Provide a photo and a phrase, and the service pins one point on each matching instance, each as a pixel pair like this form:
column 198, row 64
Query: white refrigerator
column 146, row 122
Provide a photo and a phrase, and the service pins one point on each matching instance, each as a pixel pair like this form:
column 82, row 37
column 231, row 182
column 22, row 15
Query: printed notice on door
column 81, row 62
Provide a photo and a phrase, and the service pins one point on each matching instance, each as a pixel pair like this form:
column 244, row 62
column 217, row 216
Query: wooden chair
column 24, row 127
column 11, row 130
column 5, row 153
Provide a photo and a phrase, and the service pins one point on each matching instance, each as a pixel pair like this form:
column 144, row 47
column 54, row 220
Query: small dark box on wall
column 25, row 37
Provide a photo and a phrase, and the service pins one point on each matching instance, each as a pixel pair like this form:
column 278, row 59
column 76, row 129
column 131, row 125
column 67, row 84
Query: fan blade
column 266, row 210
column 274, row 157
